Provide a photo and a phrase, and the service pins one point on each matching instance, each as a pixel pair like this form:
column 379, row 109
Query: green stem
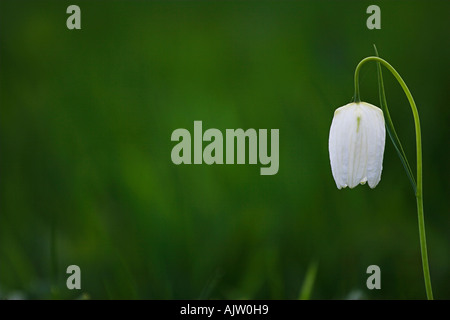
column 419, row 190
column 356, row 96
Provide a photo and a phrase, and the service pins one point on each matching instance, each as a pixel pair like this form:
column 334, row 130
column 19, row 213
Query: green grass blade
column 390, row 127
column 308, row 283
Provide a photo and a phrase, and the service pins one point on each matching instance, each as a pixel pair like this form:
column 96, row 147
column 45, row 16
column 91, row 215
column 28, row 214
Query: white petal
column 374, row 124
column 332, row 147
column 357, row 149
column 338, row 150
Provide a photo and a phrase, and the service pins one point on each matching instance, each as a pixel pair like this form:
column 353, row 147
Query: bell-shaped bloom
column 356, row 145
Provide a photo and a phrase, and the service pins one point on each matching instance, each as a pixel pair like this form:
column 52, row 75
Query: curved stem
column 356, row 97
column 419, row 190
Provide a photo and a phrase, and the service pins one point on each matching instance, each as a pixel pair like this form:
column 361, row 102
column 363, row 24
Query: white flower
column 356, row 145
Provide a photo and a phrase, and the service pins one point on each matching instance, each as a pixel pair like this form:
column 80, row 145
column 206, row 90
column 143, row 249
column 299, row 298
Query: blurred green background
column 86, row 118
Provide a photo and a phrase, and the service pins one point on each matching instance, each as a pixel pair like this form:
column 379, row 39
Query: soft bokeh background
column 85, row 123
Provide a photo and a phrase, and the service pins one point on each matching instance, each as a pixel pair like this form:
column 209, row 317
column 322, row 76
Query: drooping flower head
column 356, row 145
